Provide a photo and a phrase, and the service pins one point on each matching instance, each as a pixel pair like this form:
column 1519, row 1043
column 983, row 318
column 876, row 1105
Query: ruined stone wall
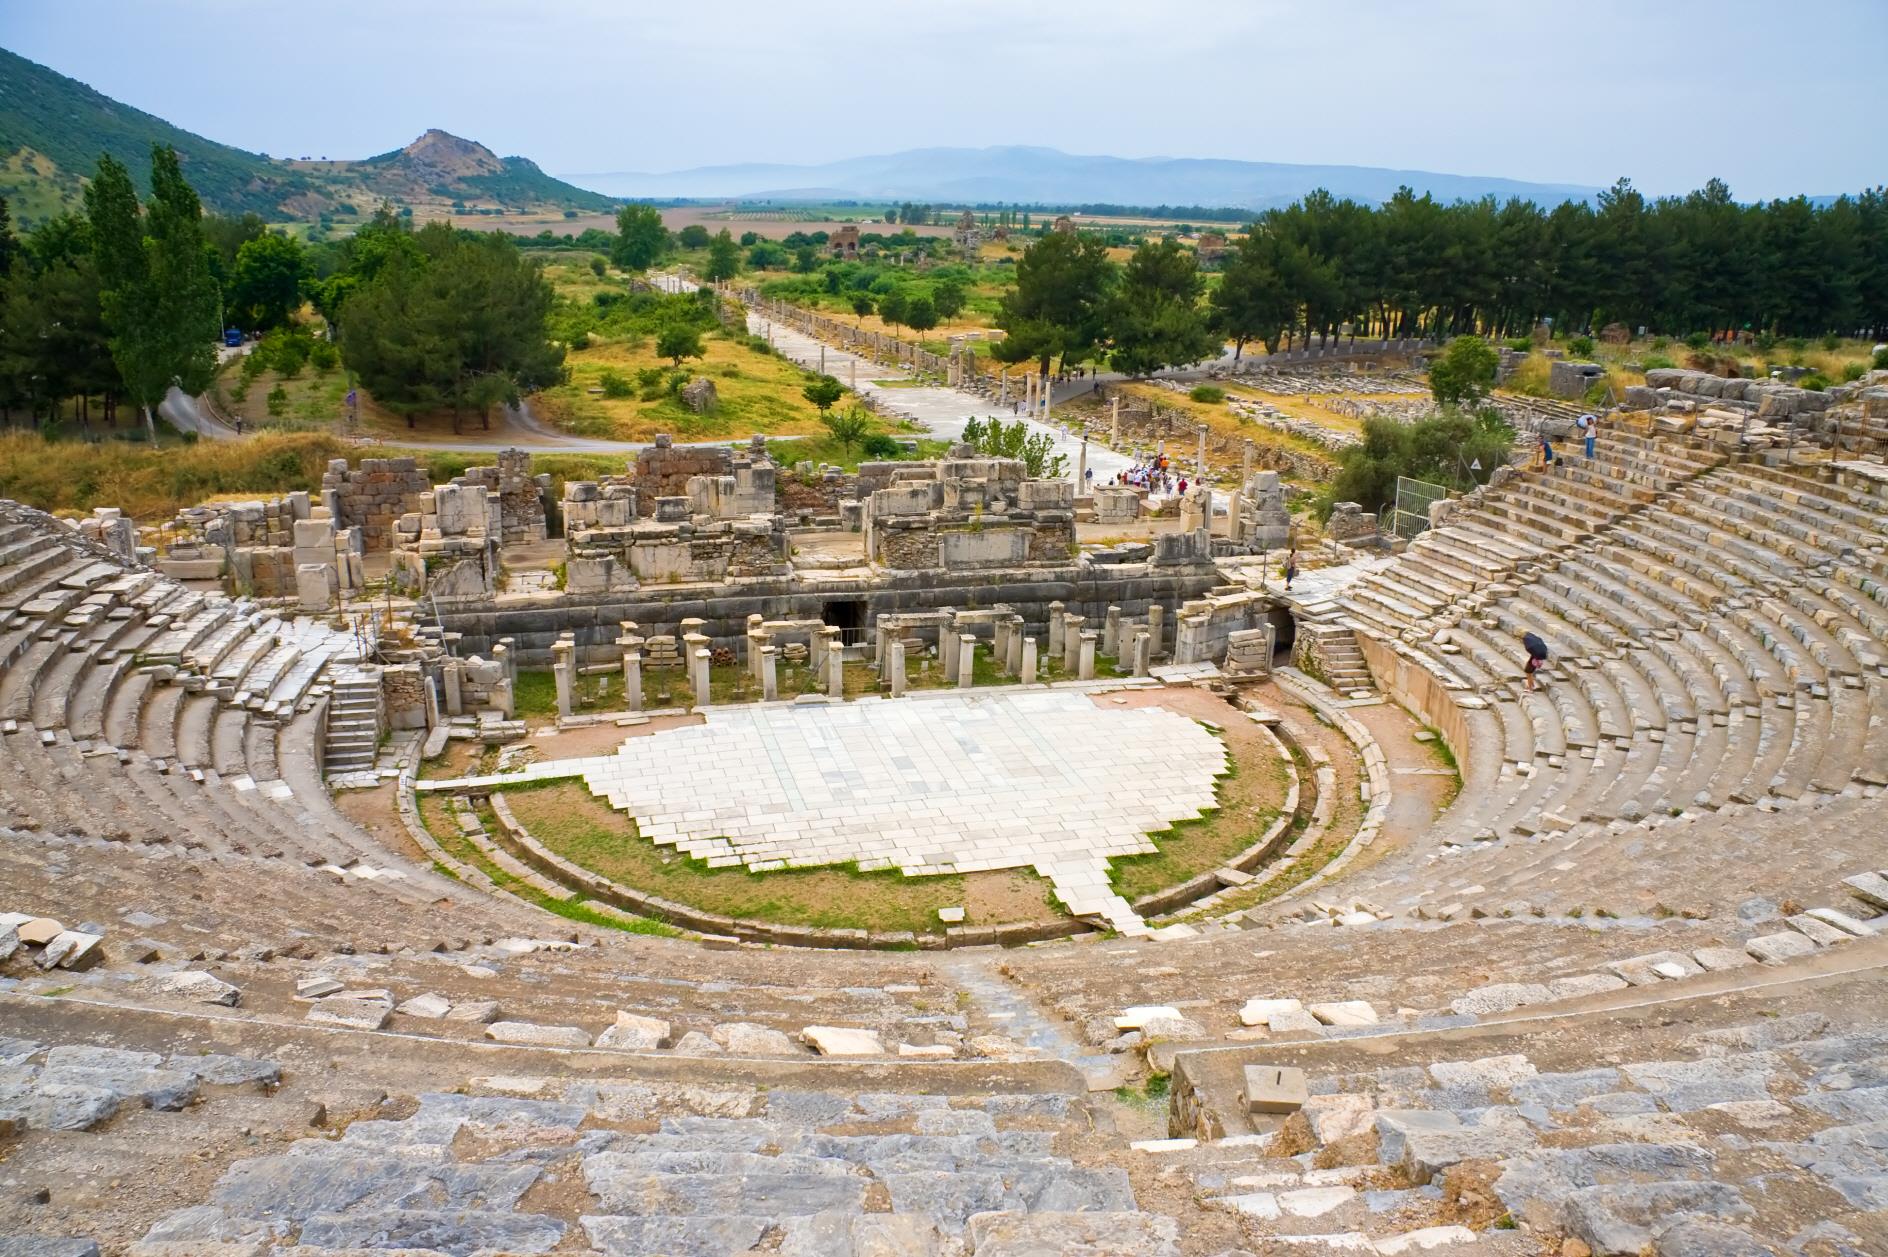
column 520, row 495
column 373, row 496
column 663, row 470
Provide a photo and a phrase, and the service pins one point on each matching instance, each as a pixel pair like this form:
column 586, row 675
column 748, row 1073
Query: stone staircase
column 1332, row 645
column 353, row 741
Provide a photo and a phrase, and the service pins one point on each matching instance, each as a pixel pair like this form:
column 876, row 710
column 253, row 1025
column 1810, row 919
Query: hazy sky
column 1774, row 98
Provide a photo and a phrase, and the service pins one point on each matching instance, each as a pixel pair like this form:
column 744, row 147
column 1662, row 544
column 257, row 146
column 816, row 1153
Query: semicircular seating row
column 135, row 708
column 1718, row 631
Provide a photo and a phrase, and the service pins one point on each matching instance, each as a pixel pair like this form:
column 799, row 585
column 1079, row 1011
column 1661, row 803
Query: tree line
column 1412, row 267
column 128, row 299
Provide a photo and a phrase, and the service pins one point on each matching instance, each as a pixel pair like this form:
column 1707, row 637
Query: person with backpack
column 1589, row 428
column 1536, row 657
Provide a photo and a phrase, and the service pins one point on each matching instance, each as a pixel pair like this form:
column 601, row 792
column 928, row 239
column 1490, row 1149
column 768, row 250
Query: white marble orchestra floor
column 932, row 783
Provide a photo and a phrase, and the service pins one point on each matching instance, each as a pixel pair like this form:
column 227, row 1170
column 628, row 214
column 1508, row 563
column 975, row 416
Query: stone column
column 1111, row 633
column 1028, row 670
column 1156, row 629
column 1013, row 654
column 748, row 644
column 1003, row 388
column 897, row 654
column 701, row 657
column 881, row 637
column 1235, row 503
column 695, row 654
column 1081, row 465
column 1000, row 644
column 1056, row 619
column 1202, row 456
column 561, row 651
column 632, row 678
column 1071, row 642
column 1048, row 395
column 827, row 645
column 947, row 653
column 1085, row 662
column 1142, row 653
column 1245, row 464
column 966, row 660
column 835, row 669
column 449, row 677
column 506, row 652
column 769, row 674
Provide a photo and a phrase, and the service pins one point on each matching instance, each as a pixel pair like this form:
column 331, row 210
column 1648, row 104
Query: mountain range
column 1046, row 176
column 53, row 128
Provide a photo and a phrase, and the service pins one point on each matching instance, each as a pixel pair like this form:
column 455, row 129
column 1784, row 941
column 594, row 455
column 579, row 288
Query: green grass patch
column 569, row 820
column 1248, row 794
column 438, row 819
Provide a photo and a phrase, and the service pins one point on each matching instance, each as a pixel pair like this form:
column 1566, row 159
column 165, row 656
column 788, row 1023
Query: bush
column 1853, row 372
column 1698, row 340
column 580, row 340
column 324, row 355
column 1765, row 342
column 1815, row 382
column 1210, row 393
column 616, row 386
column 598, row 268
column 1661, row 342
column 1581, row 346
column 880, row 446
column 1831, row 342
column 1520, row 344
column 1655, row 362
column 1438, row 449
column 1881, row 360
column 278, row 401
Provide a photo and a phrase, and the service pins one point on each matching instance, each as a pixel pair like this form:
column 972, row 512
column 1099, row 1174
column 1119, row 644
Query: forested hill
column 53, row 128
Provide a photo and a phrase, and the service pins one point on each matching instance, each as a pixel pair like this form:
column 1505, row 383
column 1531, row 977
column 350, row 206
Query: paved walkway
column 933, row 783
column 941, row 412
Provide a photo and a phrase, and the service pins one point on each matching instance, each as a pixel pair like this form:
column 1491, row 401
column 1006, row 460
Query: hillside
column 52, row 129
column 1018, row 175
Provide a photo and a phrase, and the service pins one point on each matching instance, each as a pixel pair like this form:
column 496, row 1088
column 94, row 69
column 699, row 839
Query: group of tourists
column 1588, row 425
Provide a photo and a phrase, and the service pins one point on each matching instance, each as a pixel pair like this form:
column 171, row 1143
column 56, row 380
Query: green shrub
column 1853, row 372
column 616, row 386
column 1581, row 346
column 1765, row 342
column 597, row 267
column 1661, row 342
column 1520, row 344
column 278, row 401
column 1831, row 342
column 1654, row 362
column 1881, row 360
column 1698, row 340
column 1210, row 393
column 324, row 356
column 880, row 446
column 1815, row 382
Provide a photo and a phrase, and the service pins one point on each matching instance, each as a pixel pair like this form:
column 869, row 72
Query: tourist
column 1589, row 425
column 1536, row 657
column 1291, row 568
column 1183, row 486
column 1547, row 452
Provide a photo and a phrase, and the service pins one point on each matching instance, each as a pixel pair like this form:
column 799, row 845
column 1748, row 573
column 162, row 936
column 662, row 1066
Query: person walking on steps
column 1589, row 428
column 1536, row 657
column 1291, row 568
column 1547, row 452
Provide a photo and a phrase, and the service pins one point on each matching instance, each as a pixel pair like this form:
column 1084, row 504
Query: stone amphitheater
column 1621, row 993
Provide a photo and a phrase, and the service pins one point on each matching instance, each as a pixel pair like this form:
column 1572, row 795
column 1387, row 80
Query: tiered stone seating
column 140, row 710
column 1726, row 646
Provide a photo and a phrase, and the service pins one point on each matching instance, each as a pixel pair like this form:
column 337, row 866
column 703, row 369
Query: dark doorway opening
column 1284, row 632
column 848, row 616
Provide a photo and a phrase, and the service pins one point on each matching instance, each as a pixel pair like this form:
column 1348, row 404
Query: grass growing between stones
column 584, row 829
column 1249, row 794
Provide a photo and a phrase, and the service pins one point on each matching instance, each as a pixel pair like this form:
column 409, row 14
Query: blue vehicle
column 233, row 337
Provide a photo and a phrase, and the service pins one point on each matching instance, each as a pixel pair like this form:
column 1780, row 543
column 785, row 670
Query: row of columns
column 1015, row 654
